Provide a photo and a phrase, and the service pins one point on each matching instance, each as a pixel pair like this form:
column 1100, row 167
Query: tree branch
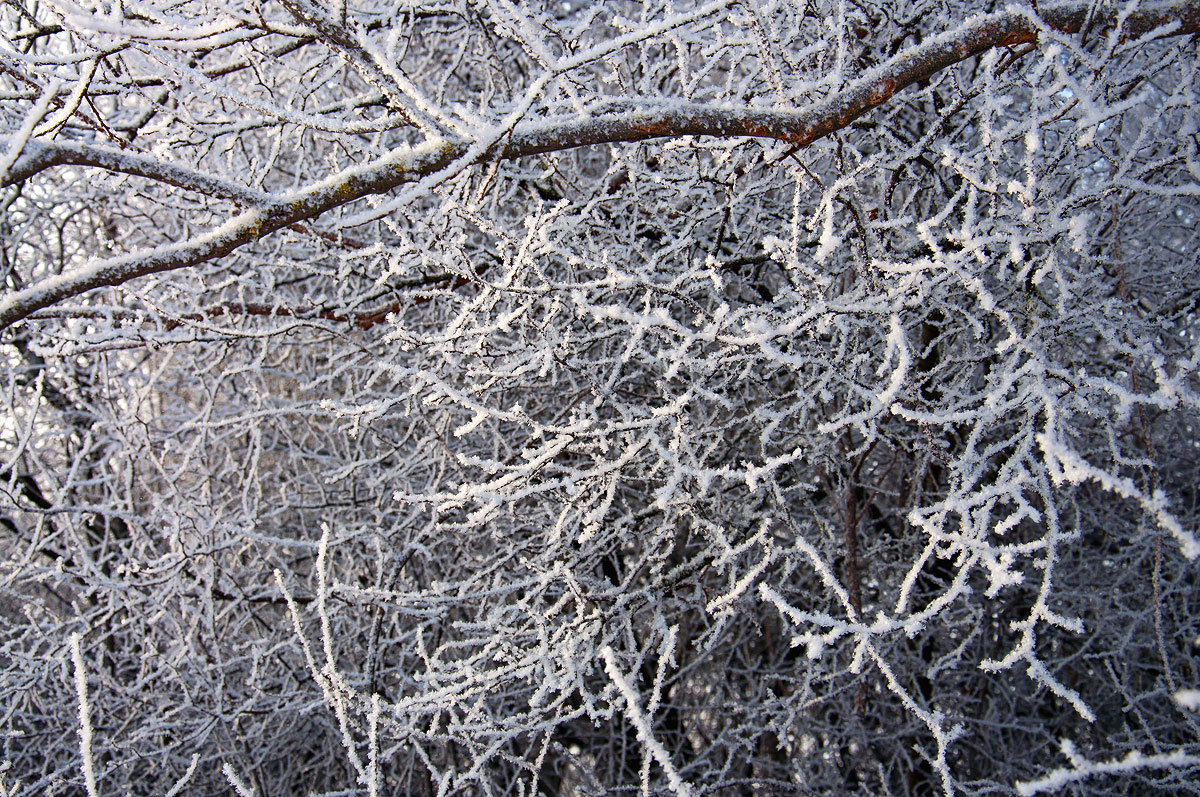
column 405, row 165
column 41, row 154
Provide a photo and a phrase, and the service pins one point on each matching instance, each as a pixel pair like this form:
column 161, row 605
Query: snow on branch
column 642, row 725
column 40, row 154
column 671, row 120
column 727, row 464
column 85, row 717
column 1083, row 769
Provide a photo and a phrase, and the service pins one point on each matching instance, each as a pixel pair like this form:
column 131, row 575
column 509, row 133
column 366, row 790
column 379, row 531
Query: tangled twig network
column 477, row 397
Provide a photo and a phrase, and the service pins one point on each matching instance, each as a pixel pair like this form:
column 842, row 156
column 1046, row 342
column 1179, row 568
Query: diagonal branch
column 406, row 165
column 41, row 154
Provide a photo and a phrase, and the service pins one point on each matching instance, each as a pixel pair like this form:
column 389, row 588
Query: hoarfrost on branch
column 475, row 397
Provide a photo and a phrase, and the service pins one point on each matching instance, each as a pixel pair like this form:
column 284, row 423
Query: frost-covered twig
column 642, row 725
column 85, row 717
column 1082, row 769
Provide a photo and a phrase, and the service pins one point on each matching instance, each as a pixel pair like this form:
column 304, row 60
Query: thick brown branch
column 796, row 127
column 873, row 89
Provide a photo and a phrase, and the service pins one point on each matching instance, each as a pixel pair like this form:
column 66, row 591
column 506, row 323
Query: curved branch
column 40, row 154
column 799, row 128
column 874, row 88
